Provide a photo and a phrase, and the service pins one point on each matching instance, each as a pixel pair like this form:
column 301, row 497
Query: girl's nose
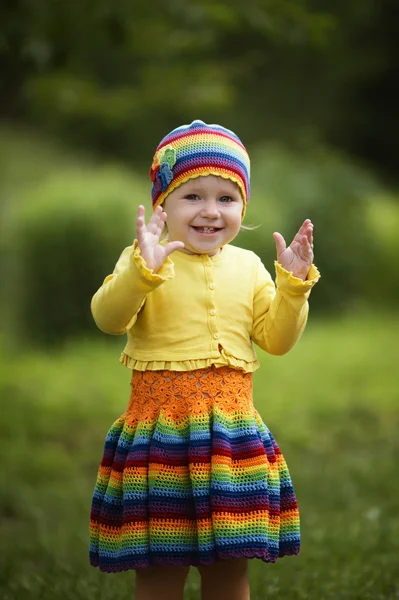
column 210, row 210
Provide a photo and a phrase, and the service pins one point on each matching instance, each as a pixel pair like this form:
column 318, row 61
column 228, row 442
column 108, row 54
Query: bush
column 63, row 238
column 333, row 192
column 382, row 284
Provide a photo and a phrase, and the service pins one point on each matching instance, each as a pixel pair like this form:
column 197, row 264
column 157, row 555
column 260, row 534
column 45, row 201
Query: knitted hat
column 198, row 149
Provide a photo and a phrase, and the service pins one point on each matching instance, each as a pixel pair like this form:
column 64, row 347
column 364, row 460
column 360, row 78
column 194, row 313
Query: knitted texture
column 191, row 475
column 198, row 149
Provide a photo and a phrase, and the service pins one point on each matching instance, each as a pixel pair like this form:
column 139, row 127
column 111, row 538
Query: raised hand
column 298, row 257
column 148, row 236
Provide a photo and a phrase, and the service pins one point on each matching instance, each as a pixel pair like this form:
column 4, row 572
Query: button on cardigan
column 197, row 311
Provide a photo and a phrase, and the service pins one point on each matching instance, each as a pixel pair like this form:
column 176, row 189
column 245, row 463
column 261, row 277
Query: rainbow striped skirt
column 191, row 475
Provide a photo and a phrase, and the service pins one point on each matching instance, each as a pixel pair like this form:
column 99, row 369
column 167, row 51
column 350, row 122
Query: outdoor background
column 87, row 90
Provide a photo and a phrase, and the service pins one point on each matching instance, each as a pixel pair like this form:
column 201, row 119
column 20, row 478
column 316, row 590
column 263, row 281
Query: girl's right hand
column 148, row 236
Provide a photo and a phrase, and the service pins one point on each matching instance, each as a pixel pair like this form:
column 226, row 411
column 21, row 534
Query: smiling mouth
column 207, row 229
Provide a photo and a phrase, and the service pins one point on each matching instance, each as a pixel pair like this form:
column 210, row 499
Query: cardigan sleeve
column 116, row 304
column 280, row 310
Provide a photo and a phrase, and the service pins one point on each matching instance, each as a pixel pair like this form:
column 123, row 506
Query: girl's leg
column 225, row 579
column 163, row 582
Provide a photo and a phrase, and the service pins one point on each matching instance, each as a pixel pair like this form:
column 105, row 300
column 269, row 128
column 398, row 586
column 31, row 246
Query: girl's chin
column 209, row 249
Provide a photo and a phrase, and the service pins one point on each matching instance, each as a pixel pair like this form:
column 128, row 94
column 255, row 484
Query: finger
column 306, row 247
column 303, row 229
column 154, row 221
column 280, row 243
column 159, row 232
column 172, row 246
column 161, row 219
column 140, row 223
column 309, row 233
column 140, row 213
column 304, row 226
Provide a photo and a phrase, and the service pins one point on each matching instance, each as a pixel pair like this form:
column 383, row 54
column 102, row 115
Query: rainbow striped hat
column 198, row 149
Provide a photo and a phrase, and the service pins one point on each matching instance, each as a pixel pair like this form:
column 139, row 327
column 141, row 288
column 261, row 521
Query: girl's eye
column 226, row 199
column 191, row 197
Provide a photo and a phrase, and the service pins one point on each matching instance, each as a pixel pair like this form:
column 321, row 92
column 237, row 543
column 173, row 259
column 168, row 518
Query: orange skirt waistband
column 181, row 393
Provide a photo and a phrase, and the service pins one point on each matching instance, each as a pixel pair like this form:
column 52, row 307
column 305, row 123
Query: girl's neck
column 210, row 254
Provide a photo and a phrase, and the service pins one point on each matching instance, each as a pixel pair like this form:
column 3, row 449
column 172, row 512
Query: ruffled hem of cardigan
column 166, row 271
column 223, row 360
column 312, row 278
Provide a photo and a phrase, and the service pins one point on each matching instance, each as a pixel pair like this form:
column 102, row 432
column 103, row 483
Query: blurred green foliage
column 335, row 417
column 118, row 76
column 68, row 230
column 60, row 237
column 65, row 220
column 336, row 194
column 294, row 79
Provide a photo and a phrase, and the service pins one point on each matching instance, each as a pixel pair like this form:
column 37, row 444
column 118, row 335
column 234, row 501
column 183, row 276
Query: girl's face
column 204, row 213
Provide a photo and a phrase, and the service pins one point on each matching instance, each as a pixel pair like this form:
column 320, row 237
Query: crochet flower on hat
column 161, row 168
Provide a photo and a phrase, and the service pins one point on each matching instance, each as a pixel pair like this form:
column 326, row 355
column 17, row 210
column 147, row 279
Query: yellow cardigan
column 197, row 310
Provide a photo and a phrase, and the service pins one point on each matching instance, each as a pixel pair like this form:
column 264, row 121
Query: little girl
column 190, row 473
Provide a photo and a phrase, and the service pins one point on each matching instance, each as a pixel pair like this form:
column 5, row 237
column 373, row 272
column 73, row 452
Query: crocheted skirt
column 191, row 475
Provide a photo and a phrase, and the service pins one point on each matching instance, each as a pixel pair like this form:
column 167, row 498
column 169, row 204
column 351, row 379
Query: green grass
column 332, row 404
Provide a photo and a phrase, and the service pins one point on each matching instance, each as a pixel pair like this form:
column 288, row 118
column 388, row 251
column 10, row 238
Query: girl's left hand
column 298, row 257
